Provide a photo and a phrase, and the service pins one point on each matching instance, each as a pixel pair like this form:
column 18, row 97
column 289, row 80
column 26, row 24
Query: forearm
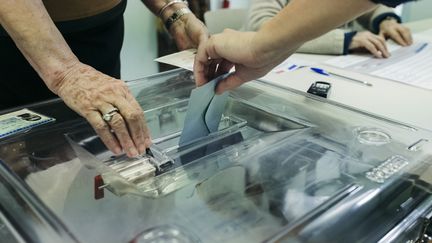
column 35, row 34
column 303, row 20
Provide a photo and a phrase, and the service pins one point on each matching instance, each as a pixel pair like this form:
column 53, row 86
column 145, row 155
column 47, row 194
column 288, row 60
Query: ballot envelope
column 282, row 166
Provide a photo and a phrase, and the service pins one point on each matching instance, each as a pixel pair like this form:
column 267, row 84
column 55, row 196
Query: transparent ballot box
column 283, row 166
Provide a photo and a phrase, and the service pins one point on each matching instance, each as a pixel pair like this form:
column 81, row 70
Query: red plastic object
column 225, row 4
column 98, row 192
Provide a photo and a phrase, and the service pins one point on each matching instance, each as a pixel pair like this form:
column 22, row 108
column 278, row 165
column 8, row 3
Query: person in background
column 380, row 23
column 73, row 48
column 253, row 54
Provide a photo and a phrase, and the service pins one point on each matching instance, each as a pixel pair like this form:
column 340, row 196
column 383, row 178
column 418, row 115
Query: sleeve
column 260, row 11
column 390, row 3
column 372, row 19
column 348, row 38
column 331, row 43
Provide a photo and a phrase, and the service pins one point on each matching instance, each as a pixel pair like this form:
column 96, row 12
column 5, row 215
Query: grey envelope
column 204, row 111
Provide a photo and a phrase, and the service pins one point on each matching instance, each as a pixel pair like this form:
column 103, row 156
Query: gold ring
column 108, row 116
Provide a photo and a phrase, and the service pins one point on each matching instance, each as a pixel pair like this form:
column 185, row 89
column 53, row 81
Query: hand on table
column 375, row 44
column 233, row 49
column 400, row 34
column 92, row 94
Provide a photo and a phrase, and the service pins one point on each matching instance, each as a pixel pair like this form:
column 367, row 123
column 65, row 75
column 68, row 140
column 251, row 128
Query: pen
column 326, row 73
column 421, row 47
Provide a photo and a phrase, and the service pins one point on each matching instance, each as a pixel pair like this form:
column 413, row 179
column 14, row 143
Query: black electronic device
column 320, row 88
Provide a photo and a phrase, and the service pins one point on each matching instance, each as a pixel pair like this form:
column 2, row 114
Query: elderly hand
column 188, row 32
column 400, row 34
column 92, row 94
column 242, row 50
column 375, row 44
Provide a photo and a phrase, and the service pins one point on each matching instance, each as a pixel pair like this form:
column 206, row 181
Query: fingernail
column 133, row 152
column 117, row 150
column 379, row 54
column 142, row 148
column 148, row 142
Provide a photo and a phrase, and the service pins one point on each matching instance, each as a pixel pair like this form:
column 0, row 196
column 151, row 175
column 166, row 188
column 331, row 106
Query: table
column 389, row 99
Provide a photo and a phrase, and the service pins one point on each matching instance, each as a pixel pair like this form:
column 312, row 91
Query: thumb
column 233, row 81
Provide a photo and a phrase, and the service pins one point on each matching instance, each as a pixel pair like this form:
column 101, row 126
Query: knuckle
column 100, row 126
column 134, row 115
column 117, row 121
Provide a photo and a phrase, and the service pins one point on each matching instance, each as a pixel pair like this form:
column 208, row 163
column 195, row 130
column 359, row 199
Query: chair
column 220, row 19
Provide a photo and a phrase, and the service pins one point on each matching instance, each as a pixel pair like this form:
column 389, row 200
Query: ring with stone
column 109, row 114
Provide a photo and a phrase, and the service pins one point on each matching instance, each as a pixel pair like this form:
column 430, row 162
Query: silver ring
column 108, row 116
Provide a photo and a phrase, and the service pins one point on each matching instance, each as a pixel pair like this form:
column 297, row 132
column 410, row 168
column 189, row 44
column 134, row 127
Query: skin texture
column 375, row 44
column 391, row 29
column 258, row 52
column 87, row 91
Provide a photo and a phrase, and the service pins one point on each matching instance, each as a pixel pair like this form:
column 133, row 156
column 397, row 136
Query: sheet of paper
column 411, row 65
column 183, row 59
column 204, row 112
column 21, row 121
column 291, row 64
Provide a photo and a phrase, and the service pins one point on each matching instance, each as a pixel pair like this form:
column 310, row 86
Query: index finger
column 406, row 35
column 395, row 36
column 200, row 66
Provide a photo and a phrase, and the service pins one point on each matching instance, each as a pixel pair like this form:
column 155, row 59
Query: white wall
column 140, row 43
column 417, row 10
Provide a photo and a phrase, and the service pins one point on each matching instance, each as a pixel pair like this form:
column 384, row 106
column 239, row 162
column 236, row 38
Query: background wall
column 140, row 46
column 417, row 10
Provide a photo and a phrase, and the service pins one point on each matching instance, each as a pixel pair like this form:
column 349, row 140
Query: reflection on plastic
column 166, row 233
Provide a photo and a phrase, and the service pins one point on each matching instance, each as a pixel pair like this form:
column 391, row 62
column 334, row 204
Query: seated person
column 379, row 24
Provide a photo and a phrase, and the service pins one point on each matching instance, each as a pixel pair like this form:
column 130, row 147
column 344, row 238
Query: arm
column 87, row 91
column 259, row 52
column 262, row 11
column 367, row 20
column 331, row 43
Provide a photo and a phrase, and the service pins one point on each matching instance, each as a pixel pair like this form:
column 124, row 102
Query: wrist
column 57, row 72
column 387, row 21
column 170, row 8
column 178, row 16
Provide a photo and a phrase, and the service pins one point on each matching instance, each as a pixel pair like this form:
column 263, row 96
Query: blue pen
column 292, row 67
column 320, row 71
column 421, row 47
column 326, row 73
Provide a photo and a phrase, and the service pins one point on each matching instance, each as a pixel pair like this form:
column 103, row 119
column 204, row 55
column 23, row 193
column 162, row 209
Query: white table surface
column 389, row 99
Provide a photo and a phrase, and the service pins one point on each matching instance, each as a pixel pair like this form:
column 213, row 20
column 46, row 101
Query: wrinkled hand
column 188, row 32
column 92, row 94
column 232, row 49
column 375, row 44
column 395, row 31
